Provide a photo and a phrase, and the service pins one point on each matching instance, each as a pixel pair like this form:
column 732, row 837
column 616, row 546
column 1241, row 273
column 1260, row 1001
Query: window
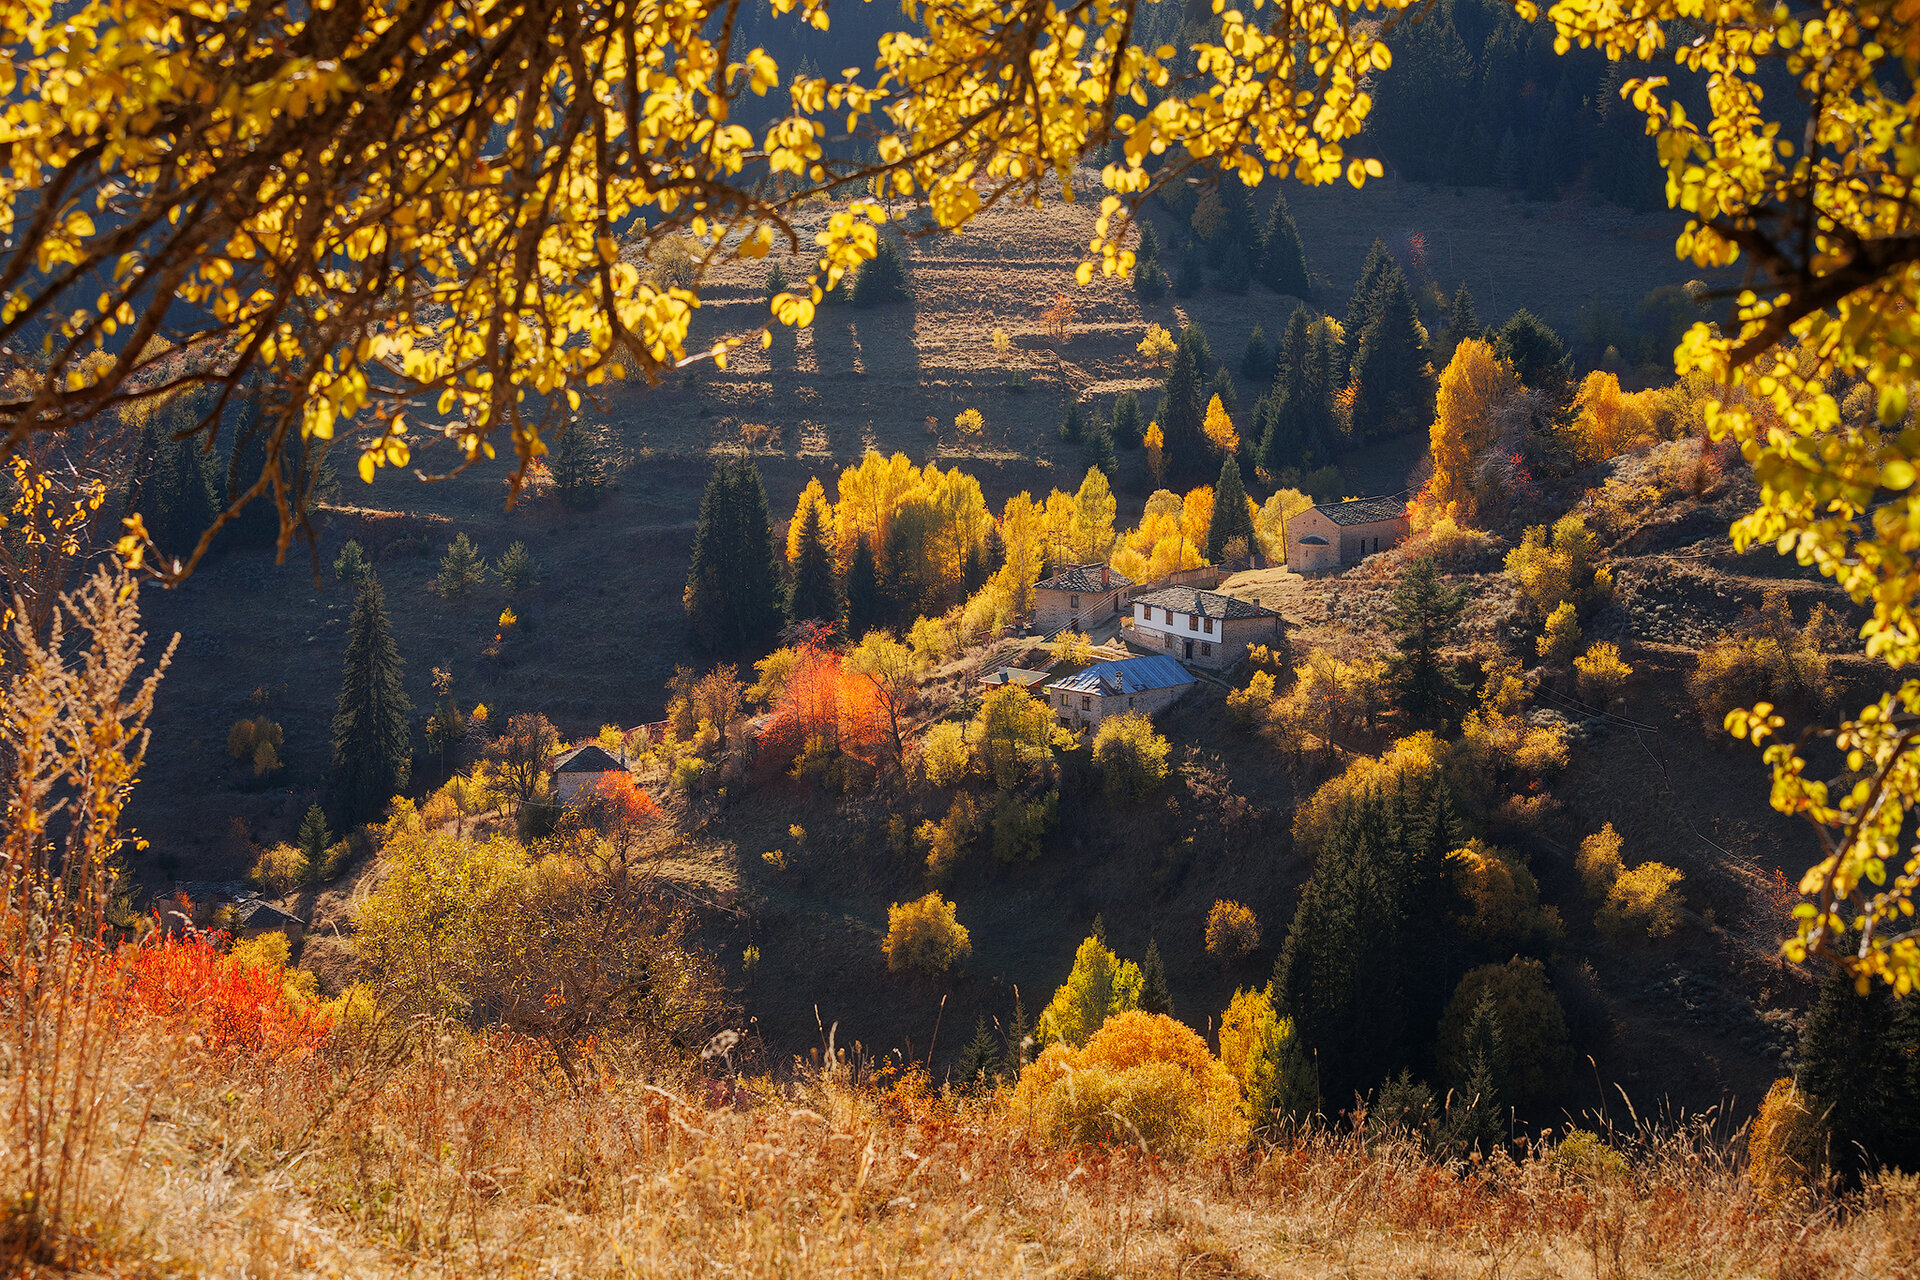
column 1206, row 650
column 1129, row 704
column 1207, row 625
column 1073, row 602
column 1169, row 640
column 1086, row 703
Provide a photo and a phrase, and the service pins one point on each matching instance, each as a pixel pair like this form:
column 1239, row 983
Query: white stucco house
column 1203, row 627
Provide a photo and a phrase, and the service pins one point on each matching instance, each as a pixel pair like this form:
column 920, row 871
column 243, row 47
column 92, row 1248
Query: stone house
column 1019, row 676
column 1146, row 685
column 577, row 771
column 1203, row 627
column 1333, row 535
column 1079, row 596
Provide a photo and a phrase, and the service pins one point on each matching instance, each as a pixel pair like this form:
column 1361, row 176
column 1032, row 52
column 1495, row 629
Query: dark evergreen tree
column 1363, row 978
column 1097, row 451
column 1017, row 1035
column 1256, row 362
column 581, row 464
column 313, row 842
column 1231, row 519
column 1154, row 996
column 1183, row 412
column 170, row 488
column 1860, row 1063
column 1075, row 423
column 1235, row 274
column 733, row 587
column 1283, row 261
column 815, row 590
column 1192, row 273
column 866, row 608
column 1424, row 615
column 1393, row 374
column 1476, row 1118
column 1222, row 386
column 883, row 278
column 1127, row 427
column 1299, row 428
column 1360, row 306
column 372, row 745
column 979, row 1064
column 1463, row 322
column 1539, row 358
column 1414, row 111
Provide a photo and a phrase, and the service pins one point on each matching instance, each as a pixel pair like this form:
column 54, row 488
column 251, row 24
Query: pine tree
column 1231, row 519
column 1234, row 274
column 1127, row 427
column 1539, row 358
column 883, row 278
column 1154, row 996
column 462, row 571
column 580, row 465
column 1302, row 424
column 1463, row 321
column 1074, row 424
column 372, row 745
column 732, row 596
column 980, row 1062
column 1424, row 615
column 1192, row 273
column 1182, row 414
column 351, row 565
column 1283, row 262
column 1222, row 386
column 1256, row 362
column 1018, row 1033
column 1097, row 451
column 169, row 488
column 1360, row 307
column 866, row 609
column 815, row 589
column 1149, row 279
column 313, row 841
column 1476, row 1113
column 1860, row 1062
column 518, row 571
column 1392, row 375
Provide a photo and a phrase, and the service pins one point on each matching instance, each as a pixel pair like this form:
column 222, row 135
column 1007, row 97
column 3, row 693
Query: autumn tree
column 372, row 744
column 732, row 595
column 894, row 674
column 1094, row 508
column 1473, row 388
column 1100, row 985
column 521, row 757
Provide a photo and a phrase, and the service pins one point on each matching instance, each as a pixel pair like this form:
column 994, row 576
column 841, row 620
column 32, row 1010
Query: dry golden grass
column 472, row 1157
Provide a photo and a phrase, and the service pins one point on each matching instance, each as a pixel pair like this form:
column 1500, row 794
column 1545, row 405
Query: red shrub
column 230, row 1005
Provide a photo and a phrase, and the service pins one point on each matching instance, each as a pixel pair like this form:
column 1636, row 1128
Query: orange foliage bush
column 230, row 1005
column 822, row 699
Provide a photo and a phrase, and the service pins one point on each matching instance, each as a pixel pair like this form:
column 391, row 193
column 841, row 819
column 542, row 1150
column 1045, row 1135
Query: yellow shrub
column 1501, row 896
column 1452, row 546
column 1561, row 639
column 1248, row 707
column 1598, row 862
column 1408, row 759
column 925, row 934
column 947, row 841
column 1131, row 757
column 1142, row 1080
column 1600, row 673
column 943, row 753
column 933, row 641
column 1100, row 986
column 1645, row 899
column 1233, row 931
column 1786, row 1146
column 1157, row 346
column 278, row 869
column 1261, row 1051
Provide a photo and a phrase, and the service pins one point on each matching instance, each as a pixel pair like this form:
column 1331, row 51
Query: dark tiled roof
column 1363, row 510
column 1013, row 675
column 255, row 914
column 1085, row 578
column 588, row 759
column 1129, row 675
column 1205, row 604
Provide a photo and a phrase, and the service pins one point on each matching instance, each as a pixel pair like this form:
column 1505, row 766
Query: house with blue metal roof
column 1146, row 685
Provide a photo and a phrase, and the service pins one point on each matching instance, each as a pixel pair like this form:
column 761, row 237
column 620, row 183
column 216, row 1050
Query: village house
column 1333, row 535
column 1198, row 626
column 578, row 771
column 1146, row 685
column 1019, row 676
column 1080, row 596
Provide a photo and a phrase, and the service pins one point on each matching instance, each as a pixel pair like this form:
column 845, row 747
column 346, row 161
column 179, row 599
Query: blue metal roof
column 1130, row 675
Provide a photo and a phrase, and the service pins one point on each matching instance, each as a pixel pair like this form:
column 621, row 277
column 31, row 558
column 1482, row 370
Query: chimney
column 1106, row 576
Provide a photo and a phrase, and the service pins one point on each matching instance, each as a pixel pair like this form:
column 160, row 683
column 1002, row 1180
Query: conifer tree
column 1222, row 385
column 1154, row 996
column 979, row 1064
column 1074, row 424
column 1300, row 425
column 1256, row 361
column 732, row 596
column 1231, row 519
column 1017, row 1034
column 865, row 607
column 1476, row 1117
column 1283, row 262
column 1192, row 273
column 1097, row 451
column 462, row 571
column 372, row 745
column 579, row 465
column 1463, row 321
column 1182, row 415
column 1235, row 274
column 518, row 571
column 1424, row 615
column 815, row 590
column 1392, row 375
column 1360, row 307
column 1860, row 1063
column 313, row 841
column 1536, row 354
column 1127, row 427
column 170, row 489
column 884, row 277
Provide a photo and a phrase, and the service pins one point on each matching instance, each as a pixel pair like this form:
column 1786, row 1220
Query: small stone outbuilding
column 578, row 771
column 1334, row 535
column 1078, row 596
column 1203, row 627
column 1146, row 685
